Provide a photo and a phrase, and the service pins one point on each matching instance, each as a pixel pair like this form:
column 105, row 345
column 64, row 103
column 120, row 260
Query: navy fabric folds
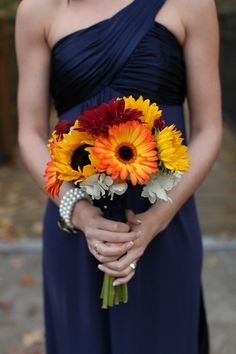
column 128, row 52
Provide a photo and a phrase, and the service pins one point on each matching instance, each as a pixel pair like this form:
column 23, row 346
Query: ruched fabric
column 128, row 54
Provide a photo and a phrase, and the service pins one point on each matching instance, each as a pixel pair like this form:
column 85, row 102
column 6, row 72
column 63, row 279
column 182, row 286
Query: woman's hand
column 121, row 268
column 107, row 240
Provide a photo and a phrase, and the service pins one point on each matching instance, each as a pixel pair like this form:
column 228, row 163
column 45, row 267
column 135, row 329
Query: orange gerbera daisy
column 52, row 143
column 53, row 184
column 128, row 152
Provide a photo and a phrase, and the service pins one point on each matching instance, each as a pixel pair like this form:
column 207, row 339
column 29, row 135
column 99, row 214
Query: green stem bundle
column 113, row 295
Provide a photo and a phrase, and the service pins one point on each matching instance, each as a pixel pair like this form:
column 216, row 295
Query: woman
column 83, row 53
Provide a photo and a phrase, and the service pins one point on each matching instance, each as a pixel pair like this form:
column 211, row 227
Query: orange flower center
column 126, row 153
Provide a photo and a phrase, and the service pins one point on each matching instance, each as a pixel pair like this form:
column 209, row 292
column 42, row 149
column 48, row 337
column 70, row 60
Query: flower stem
column 105, row 291
column 111, row 295
column 111, row 291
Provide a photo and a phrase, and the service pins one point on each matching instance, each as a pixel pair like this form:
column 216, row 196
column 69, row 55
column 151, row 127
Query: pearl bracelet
column 66, row 207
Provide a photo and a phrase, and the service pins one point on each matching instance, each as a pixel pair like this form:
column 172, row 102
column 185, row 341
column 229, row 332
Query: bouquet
column 123, row 141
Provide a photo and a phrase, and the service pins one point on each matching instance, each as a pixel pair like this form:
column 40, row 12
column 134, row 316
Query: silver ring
column 132, row 266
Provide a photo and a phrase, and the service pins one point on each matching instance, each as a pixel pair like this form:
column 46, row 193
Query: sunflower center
column 126, row 153
column 80, row 157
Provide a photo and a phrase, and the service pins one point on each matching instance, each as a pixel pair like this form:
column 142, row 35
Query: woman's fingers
column 118, row 274
column 114, row 250
column 106, row 252
column 124, row 262
column 132, row 218
column 108, row 225
column 113, row 237
column 124, row 280
column 101, row 258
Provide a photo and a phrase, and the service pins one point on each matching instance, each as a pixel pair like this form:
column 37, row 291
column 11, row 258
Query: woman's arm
column 201, row 49
column 33, row 56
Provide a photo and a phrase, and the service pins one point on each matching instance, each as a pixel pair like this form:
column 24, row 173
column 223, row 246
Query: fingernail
column 130, row 244
column 139, row 221
column 115, row 283
column 100, row 266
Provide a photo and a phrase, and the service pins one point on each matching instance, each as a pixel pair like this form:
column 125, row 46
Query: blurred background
column 22, row 206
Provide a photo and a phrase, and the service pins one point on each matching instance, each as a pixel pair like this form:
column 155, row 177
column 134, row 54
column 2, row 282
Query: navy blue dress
column 127, row 54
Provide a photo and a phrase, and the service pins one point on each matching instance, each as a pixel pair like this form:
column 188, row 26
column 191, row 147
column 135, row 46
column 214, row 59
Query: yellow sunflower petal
column 64, row 155
column 88, row 171
column 172, row 153
column 151, row 112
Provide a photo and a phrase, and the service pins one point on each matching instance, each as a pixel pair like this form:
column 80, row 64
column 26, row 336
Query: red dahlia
column 63, row 127
column 98, row 120
column 159, row 123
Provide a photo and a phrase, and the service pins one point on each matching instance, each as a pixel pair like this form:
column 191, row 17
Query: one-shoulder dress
column 127, row 54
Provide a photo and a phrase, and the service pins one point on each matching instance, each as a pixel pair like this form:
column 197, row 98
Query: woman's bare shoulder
column 198, row 13
column 34, row 8
column 35, row 16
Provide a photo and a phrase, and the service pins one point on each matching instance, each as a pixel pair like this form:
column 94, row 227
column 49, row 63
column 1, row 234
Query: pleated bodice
column 127, row 53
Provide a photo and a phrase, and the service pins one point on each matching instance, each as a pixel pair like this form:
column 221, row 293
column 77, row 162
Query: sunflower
column 53, row 184
column 73, row 159
column 151, row 112
column 128, row 152
column 172, row 153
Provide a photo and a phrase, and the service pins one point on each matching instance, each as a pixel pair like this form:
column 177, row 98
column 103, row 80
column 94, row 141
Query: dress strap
column 126, row 32
column 153, row 6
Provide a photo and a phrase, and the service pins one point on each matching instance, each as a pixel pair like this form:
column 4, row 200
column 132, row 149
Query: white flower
column 160, row 183
column 93, row 187
column 117, row 188
column 97, row 185
column 105, row 181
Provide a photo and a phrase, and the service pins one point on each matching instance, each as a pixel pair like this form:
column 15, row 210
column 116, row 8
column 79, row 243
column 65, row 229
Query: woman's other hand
column 107, row 240
column 122, row 268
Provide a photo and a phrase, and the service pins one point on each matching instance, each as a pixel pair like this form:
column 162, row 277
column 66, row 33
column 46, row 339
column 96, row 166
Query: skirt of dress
column 162, row 314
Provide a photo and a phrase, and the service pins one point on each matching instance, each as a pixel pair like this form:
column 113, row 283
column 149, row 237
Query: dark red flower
column 98, row 120
column 63, row 127
column 159, row 123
